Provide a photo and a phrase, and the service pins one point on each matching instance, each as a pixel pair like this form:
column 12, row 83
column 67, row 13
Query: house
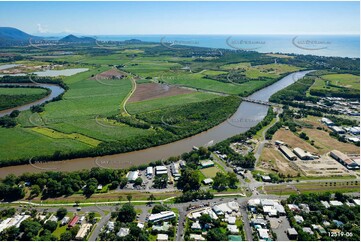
column 207, row 163
column 162, row 216
column 263, row 234
column 327, row 121
column 299, row 219
column 196, row 237
column 336, row 203
column 292, row 233
column 161, row 170
column 162, row 237
column 325, row 204
column 319, row 228
column 338, row 223
column 65, row 220
column 196, row 225
column 110, row 225
column 100, row 187
column 287, row 152
column 132, row 175
column 307, row 230
column 83, row 231
column 174, row 168
column 266, row 178
column 270, row 211
column 164, row 227
column 149, row 171
column 293, row 207
column 259, row 222
column 304, row 207
column 123, row 232
column 207, row 181
column 233, row 229
column 73, row 221
column 231, row 220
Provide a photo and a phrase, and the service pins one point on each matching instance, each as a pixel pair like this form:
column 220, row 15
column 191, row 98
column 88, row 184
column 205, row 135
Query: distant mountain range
column 14, row 37
column 73, row 39
column 11, row 36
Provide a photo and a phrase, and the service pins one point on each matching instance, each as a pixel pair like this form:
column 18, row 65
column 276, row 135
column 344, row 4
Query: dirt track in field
column 148, row 91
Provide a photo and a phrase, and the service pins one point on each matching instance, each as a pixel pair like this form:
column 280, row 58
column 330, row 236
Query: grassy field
column 21, row 91
column 210, row 172
column 344, row 80
column 315, row 187
column 13, row 97
column 164, row 102
column 58, row 135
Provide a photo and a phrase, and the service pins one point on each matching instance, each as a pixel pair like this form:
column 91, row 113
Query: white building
column 132, row 175
column 83, row 231
column 161, row 170
column 162, row 237
column 149, row 171
column 162, row 216
column 123, row 232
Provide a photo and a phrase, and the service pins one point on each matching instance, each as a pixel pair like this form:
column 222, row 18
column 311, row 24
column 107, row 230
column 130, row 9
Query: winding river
column 247, row 115
column 55, row 91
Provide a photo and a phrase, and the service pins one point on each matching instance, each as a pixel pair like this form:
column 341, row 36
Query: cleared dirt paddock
column 149, row 91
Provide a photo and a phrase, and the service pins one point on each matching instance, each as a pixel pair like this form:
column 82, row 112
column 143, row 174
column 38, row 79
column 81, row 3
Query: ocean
column 321, row 45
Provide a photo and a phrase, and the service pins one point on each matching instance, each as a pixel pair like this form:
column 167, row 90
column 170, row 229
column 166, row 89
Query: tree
column 66, row 236
column 159, row 208
column 35, row 190
column 205, row 219
column 91, row 186
column 189, row 180
column 30, row 229
column 138, row 181
column 129, row 197
column 232, row 179
column 50, row 225
column 127, row 213
column 160, row 181
column 151, row 198
column 123, row 182
column 114, row 185
column 9, row 234
column 216, row 234
column 61, row 212
column 220, row 181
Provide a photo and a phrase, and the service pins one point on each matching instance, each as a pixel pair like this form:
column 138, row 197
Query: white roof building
column 325, row 204
column 83, row 231
column 197, row 237
column 149, row 171
column 263, row 234
column 162, row 237
column 299, row 219
column 336, row 203
column 231, row 220
column 132, row 175
column 161, row 216
column 196, row 225
column 233, row 229
column 123, row 232
column 161, row 170
column 208, row 181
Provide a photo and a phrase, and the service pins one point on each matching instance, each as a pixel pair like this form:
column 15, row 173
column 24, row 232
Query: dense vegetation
column 10, row 100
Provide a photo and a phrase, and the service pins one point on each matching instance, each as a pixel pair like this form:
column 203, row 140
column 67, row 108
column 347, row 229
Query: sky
column 146, row 18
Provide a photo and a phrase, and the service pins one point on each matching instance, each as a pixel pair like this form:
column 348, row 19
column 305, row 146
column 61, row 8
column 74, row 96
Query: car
column 78, row 208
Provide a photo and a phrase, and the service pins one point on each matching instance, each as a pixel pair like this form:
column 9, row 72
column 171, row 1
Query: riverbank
column 246, row 116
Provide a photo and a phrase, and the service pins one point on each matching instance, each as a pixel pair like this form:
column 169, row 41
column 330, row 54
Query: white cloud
column 42, row 29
